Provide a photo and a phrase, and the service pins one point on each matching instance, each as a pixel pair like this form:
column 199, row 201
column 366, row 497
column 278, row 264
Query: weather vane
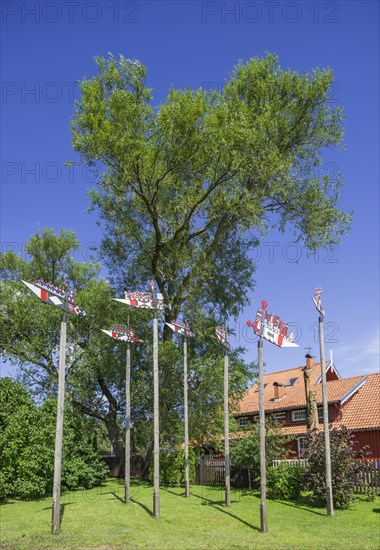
column 272, row 328
column 55, row 296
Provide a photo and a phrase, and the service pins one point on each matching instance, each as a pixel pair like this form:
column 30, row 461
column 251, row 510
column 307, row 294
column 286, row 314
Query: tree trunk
column 116, row 440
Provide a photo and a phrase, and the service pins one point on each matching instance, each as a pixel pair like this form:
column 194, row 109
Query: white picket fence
column 290, row 462
column 368, row 475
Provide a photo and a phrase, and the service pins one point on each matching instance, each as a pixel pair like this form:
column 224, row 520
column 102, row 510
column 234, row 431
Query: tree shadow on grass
column 118, row 498
column 172, row 492
column 147, row 510
column 63, row 506
column 61, row 511
column 217, row 504
column 305, row 506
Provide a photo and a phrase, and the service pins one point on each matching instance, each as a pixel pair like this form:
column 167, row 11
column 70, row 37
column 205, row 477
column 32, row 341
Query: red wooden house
column 352, row 402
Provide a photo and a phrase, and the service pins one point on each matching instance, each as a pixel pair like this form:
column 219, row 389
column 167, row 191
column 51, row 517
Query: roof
column 357, row 397
column 362, row 410
column 294, row 394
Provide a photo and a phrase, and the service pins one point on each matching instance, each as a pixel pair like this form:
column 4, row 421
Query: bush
column 284, row 482
column 27, row 440
column 172, row 468
column 344, row 469
column 245, row 451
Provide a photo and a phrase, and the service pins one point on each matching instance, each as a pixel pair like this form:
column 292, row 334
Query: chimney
column 310, row 361
column 279, row 391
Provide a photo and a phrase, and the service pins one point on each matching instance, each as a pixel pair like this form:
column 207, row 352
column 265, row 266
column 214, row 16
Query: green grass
column 99, row 519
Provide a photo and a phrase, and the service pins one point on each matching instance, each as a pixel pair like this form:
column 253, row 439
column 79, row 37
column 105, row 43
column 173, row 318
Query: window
column 243, row 421
column 299, row 415
column 279, row 415
column 320, row 413
column 256, row 417
column 301, row 446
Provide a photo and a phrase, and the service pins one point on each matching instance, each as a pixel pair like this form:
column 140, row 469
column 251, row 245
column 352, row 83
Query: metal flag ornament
column 272, row 328
column 143, row 300
column 317, row 300
column 179, row 327
column 326, row 430
column 222, row 335
column 126, row 334
column 122, row 333
column 55, row 296
column 155, row 301
column 58, row 297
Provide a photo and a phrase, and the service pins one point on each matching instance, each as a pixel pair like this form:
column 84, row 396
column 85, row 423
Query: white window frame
column 279, row 415
column 299, row 412
column 245, row 423
column 301, row 446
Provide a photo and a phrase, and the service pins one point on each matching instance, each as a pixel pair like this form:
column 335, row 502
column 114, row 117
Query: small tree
column 344, row 468
column 172, row 468
column 245, row 451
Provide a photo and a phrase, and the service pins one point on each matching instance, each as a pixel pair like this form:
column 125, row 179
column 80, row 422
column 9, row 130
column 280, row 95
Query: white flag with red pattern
column 222, row 336
column 55, row 296
column 179, row 327
column 122, row 333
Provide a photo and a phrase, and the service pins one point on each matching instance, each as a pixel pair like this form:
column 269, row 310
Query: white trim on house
column 299, row 415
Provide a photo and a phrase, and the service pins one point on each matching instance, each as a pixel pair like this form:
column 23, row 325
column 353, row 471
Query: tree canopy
column 95, row 364
column 190, row 185
column 187, row 190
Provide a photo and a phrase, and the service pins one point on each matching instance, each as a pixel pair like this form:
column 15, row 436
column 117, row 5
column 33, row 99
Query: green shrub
column 172, row 468
column 284, row 482
column 344, row 469
column 371, row 493
column 27, row 440
column 245, row 451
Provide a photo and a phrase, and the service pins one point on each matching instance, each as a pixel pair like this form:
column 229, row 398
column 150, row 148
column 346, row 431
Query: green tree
column 95, row 382
column 27, row 436
column 189, row 186
column 245, row 450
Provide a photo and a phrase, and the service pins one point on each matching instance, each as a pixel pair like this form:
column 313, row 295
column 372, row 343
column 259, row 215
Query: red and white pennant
column 50, row 296
column 222, row 336
column 179, row 327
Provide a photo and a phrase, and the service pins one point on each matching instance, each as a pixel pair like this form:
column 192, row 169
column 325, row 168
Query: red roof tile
column 359, row 411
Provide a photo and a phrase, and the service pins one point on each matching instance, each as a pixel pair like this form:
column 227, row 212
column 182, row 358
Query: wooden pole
column 226, row 434
column 56, row 507
column 329, row 496
column 186, row 418
column 128, row 425
column 156, row 426
column 263, row 474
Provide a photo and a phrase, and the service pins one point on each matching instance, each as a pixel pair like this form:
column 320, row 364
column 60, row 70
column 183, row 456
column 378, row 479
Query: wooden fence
column 211, row 472
column 368, row 475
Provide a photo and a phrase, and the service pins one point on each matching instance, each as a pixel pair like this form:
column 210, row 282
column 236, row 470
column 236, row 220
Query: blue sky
column 46, row 47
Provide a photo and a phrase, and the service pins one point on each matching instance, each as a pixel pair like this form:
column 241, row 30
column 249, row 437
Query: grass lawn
column 98, row 518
